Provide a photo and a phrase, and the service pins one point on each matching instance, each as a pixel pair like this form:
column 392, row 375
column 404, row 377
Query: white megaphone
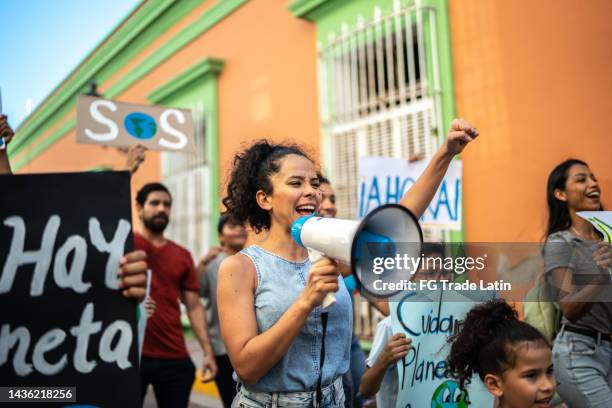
column 359, row 242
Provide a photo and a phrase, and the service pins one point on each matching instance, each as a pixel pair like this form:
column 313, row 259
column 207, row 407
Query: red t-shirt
column 172, row 271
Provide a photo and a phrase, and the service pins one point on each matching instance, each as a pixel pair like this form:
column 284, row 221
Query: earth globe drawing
column 449, row 395
column 140, row 125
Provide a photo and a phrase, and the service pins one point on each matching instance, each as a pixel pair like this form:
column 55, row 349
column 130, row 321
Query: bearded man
column 166, row 364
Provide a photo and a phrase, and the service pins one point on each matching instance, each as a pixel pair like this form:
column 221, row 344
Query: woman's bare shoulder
column 238, row 267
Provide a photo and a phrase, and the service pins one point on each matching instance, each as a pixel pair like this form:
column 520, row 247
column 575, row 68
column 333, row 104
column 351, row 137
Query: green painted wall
column 198, row 83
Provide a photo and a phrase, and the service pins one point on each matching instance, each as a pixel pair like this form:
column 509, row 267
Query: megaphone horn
column 356, row 242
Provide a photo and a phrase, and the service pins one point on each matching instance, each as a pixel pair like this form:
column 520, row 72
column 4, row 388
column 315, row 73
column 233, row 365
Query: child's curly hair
column 485, row 343
column 251, row 172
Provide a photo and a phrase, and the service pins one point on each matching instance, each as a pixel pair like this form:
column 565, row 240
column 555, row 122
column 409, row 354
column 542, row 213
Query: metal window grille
column 380, row 81
column 381, row 89
column 186, row 176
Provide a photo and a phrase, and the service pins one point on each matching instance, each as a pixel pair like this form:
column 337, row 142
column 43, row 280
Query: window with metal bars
column 380, row 91
column 381, row 94
column 186, row 175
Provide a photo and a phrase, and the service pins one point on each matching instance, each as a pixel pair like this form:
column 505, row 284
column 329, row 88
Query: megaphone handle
column 314, row 257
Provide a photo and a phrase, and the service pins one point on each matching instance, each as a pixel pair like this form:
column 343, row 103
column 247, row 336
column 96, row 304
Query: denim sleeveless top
column 279, row 283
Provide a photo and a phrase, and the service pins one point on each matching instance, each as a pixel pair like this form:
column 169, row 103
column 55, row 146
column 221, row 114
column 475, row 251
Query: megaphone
column 358, row 243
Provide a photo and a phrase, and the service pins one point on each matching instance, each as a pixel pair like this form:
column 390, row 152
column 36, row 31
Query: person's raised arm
column 423, row 190
column 135, row 157
column 6, row 133
column 253, row 354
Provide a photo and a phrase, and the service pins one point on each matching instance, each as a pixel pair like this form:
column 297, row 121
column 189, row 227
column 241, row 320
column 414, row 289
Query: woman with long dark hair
column 578, row 262
column 285, row 349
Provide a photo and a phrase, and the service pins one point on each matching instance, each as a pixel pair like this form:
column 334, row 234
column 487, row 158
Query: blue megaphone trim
column 362, row 226
column 296, row 229
column 366, row 237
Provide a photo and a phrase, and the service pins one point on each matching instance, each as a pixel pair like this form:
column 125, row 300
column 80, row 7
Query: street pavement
column 197, row 399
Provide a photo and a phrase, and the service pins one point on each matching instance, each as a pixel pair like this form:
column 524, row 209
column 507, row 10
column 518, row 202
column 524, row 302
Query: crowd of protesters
column 268, row 342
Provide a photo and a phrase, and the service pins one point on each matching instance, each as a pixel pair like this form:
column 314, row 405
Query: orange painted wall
column 535, row 78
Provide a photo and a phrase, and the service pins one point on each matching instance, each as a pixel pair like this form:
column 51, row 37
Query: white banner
column 385, row 180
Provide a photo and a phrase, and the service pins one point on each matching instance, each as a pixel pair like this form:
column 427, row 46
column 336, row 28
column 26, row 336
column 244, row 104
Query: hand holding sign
column 603, row 257
column 135, row 157
column 460, row 134
column 602, row 221
column 133, row 275
column 6, row 132
column 396, row 348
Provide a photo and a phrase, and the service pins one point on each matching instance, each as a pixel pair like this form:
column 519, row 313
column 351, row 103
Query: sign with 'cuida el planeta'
column 111, row 123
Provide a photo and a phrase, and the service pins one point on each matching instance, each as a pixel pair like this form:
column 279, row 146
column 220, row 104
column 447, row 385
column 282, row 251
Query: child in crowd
column 512, row 358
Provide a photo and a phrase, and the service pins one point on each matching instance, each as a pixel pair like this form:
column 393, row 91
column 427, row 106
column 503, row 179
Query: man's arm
column 199, row 325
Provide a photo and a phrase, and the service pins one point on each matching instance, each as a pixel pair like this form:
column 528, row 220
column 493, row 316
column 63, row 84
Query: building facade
column 350, row 79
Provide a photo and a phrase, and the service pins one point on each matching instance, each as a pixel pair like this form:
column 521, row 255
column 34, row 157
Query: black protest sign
column 63, row 322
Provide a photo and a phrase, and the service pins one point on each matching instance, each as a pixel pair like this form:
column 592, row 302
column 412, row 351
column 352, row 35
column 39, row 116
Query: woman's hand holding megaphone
column 322, row 279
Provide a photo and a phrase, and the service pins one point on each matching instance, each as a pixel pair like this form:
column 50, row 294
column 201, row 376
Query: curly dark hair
column 485, row 343
column 251, row 172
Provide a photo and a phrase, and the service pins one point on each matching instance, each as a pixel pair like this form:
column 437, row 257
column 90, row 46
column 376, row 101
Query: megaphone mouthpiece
column 296, row 229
